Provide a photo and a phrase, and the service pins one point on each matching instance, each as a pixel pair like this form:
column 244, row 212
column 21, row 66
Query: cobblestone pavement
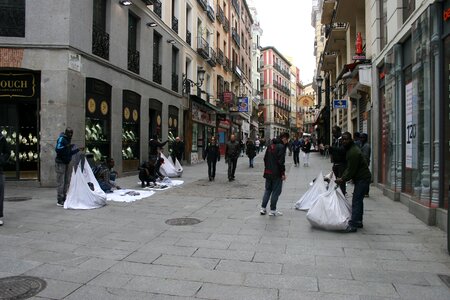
column 127, row 251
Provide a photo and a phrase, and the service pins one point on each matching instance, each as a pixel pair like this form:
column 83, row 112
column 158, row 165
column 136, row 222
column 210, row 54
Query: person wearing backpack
column 4, row 156
column 274, row 173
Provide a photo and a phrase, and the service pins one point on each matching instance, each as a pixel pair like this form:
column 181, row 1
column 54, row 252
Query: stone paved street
column 127, row 251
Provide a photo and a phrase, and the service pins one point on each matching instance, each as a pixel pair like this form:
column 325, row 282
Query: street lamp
column 187, row 84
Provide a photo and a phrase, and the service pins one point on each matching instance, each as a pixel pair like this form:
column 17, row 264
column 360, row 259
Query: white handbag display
column 80, row 195
column 168, row 169
column 331, row 211
column 310, row 197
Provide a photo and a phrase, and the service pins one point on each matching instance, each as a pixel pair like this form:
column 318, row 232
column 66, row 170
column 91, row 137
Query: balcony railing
column 226, row 24
column 203, row 4
column 174, row 82
column 220, row 15
column 210, row 13
column 283, row 72
column 212, row 61
column 100, row 43
column 227, row 65
column 236, row 37
column 133, row 60
column 202, row 47
column 157, row 68
column 175, row 24
column 220, row 57
column 157, row 8
column 235, row 4
column 188, row 37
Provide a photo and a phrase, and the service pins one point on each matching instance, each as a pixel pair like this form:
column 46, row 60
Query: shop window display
column 130, row 131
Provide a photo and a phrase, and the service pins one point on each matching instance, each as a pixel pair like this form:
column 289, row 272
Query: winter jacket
column 64, row 150
column 154, row 145
column 296, row 145
column 4, row 152
column 251, row 150
column 212, row 152
column 337, row 152
column 306, row 147
column 356, row 165
column 232, row 150
column 274, row 160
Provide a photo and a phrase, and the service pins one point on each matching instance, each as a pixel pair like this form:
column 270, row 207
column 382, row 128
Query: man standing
column 177, row 150
column 232, row 152
column 154, row 146
column 274, row 173
column 359, row 173
column 338, row 159
column 4, row 156
column 296, row 150
column 64, row 151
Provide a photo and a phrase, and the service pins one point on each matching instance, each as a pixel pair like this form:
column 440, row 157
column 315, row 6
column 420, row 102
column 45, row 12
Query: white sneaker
column 262, row 211
column 274, row 213
column 1, row 222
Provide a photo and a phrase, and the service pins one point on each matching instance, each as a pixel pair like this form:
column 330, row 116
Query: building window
column 156, row 57
column 100, row 38
column 408, row 8
column 133, row 53
column 12, row 18
column 175, row 52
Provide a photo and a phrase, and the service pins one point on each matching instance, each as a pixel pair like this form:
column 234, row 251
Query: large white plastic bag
column 80, row 195
column 168, row 169
column 331, row 211
column 308, row 198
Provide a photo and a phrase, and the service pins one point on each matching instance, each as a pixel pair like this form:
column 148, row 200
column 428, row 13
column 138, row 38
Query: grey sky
column 287, row 27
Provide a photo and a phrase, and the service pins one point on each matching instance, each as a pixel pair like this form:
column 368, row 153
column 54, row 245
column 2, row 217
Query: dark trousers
column 232, row 162
column 296, row 157
column 63, row 175
column 361, row 188
column 338, row 170
column 211, row 168
column 272, row 191
column 2, row 193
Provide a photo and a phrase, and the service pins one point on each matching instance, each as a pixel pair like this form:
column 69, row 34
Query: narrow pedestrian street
column 127, row 251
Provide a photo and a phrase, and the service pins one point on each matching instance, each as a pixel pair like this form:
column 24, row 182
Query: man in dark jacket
column 177, row 150
column 357, row 171
column 154, row 145
column 64, row 151
column 337, row 152
column 212, row 155
column 274, row 173
column 232, row 152
column 4, row 156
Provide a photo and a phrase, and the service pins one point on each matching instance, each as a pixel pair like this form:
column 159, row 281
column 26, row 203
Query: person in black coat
column 212, row 155
column 251, row 152
column 149, row 172
column 306, row 149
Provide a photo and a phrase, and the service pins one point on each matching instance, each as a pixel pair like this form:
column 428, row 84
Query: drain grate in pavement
column 182, row 221
column 20, row 287
column 445, row 279
column 17, row 199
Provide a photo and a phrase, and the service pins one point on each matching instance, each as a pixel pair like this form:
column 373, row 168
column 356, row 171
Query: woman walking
column 251, row 152
column 306, row 149
column 212, row 156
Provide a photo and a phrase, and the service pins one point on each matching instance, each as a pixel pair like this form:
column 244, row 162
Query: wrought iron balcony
column 210, row 13
column 220, row 14
column 203, row 4
column 174, row 24
column 202, row 47
column 100, row 43
column 157, row 8
column 133, row 60
column 227, row 65
column 235, row 4
column 174, row 82
column 226, row 24
column 220, row 57
column 188, row 37
column 236, row 37
column 212, row 61
column 157, row 68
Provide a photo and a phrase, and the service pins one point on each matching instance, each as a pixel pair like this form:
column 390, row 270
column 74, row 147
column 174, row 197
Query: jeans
column 250, row 161
column 361, row 188
column 2, row 193
column 211, row 168
column 272, row 190
column 232, row 162
column 296, row 157
column 63, row 174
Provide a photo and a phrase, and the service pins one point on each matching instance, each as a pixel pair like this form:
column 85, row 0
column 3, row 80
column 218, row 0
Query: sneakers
column 274, row 213
column 350, row 229
column 1, row 222
column 262, row 211
column 60, row 203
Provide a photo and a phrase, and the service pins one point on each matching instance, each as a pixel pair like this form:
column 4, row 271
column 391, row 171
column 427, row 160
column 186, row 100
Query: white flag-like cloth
column 312, row 194
column 331, row 211
column 80, row 195
column 169, row 169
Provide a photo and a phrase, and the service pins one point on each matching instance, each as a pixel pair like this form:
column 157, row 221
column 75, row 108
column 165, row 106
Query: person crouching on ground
column 105, row 175
column 274, row 173
column 357, row 171
column 149, row 173
column 212, row 155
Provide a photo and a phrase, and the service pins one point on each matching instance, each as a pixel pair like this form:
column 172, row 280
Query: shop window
column 12, row 18
column 155, row 113
column 130, row 130
column 173, row 120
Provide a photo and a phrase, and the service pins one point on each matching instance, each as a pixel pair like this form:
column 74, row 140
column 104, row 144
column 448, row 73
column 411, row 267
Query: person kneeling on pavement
column 106, row 176
column 357, row 171
column 149, row 172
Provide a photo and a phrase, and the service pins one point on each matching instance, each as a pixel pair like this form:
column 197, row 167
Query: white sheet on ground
column 124, row 195
column 80, row 195
column 331, row 211
column 310, row 197
column 169, row 169
column 166, row 182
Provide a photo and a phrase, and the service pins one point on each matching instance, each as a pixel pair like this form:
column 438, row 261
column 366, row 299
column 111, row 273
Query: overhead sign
column 340, row 103
column 243, row 104
column 17, row 85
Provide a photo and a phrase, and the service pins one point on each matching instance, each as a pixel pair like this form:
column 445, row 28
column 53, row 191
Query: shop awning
column 320, row 116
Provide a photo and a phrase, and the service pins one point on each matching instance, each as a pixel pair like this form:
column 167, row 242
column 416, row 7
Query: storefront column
column 399, row 87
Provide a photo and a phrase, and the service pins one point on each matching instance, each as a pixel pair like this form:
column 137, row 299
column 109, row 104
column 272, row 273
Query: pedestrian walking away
column 232, row 152
column 251, row 152
column 357, row 171
column 257, row 145
column 296, row 150
column 337, row 152
column 306, row 149
column 212, row 155
column 274, row 173
column 64, row 152
column 4, row 156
